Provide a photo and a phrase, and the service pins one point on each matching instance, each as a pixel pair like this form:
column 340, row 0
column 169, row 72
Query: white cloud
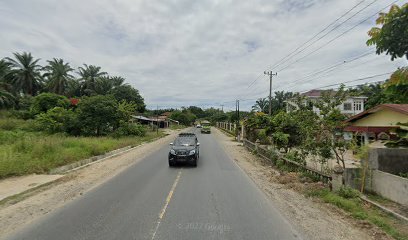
column 191, row 52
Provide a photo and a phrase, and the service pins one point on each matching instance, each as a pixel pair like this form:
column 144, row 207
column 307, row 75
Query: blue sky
column 206, row 53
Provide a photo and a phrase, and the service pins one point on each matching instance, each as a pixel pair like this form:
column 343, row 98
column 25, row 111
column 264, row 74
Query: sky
column 206, row 53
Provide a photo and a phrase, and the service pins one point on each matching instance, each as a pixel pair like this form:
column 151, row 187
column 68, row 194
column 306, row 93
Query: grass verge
column 23, row 152
column 361, row 211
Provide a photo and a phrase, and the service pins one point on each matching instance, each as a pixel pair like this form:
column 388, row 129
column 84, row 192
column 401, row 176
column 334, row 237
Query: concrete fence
column 231, row 127
column 391, row 186
column 379, row 172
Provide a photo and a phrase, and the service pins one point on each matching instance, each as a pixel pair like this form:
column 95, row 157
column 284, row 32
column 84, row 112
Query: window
column 357, row 106
column 347, row 106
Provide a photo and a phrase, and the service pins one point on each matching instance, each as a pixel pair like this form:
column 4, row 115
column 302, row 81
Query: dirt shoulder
column 316, row 220
column 26, row 208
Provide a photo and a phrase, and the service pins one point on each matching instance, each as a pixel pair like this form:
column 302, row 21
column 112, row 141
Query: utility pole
column 157, row 119
column 270, row 74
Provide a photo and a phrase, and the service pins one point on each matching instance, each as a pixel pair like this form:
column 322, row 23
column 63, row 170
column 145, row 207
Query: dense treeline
column 88, row 101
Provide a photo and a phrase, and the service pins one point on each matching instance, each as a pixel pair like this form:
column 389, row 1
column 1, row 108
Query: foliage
column 129, row 94
column 402, row 134
column 331, row 122
column 185, row 117
column 58, row 119
column 348, row 192
column 98, row 115
column 58, row 75
column 129, row 129
column 46, row 101
column 89, row 75
column 24, row 152
column 278, row 102
column 24, row 73
column 360, row 211
column 261, row 105
column 392, row 36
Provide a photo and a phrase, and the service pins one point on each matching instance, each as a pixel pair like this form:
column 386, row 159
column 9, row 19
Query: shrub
column 295, row 156
column 57, row 120
column 46, row 101
column 348, row 192
column 130, row 129
column 98, row 115
column 263, row 137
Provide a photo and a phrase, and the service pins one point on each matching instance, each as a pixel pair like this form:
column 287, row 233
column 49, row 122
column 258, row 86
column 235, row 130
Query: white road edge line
column 168, row 199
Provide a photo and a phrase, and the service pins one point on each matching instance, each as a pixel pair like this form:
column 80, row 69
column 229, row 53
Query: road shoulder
column 313, row 219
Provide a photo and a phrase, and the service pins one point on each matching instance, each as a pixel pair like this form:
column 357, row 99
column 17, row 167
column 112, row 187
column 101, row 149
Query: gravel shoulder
column 316, row 220
column 26, row 208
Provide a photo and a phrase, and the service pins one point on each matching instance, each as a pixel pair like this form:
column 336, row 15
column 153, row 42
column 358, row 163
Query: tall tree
column 117, row 81
column 89, row 75
column 261, row 105
column 392, row 36
column 58, row 75
column 25, row 73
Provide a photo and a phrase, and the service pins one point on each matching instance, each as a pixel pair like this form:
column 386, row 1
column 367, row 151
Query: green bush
column 46, row 101
column 130, row 129
column 57, row 120
column 295, row 156
column 263, row 137
column 348, row 192
column 98, row 115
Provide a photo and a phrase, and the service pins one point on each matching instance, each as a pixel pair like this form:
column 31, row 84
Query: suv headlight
column 172, row 152
column 192, row 152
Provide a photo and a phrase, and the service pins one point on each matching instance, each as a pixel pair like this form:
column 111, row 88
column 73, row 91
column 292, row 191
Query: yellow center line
column 168, row 199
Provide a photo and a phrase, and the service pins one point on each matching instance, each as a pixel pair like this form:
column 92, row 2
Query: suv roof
column 187, row 135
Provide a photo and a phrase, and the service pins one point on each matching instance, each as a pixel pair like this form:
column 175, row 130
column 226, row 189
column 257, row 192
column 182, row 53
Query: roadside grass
column 23, row 152
column 361, row 211
column 177, row 127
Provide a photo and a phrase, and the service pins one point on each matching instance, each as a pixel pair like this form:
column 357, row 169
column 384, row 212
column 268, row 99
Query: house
column 351, row 106
column 163, row 121
column 378, row 123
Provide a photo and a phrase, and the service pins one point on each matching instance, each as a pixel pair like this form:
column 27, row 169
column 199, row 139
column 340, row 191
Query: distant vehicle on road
column 199, row 126
column 206, row 127
column 184, row 149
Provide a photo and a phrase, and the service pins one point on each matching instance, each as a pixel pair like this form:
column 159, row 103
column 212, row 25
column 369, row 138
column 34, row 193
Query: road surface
column 149, row 200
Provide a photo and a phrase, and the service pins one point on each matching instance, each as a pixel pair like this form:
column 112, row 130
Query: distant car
column 199, row 126
column 184, row 149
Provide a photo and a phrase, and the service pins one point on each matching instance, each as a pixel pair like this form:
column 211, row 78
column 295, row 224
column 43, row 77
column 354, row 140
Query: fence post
column 337, row 177
column 257, row 142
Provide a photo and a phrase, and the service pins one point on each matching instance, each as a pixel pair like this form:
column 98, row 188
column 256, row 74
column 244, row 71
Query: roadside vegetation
column 53, row 115
column 348, row 199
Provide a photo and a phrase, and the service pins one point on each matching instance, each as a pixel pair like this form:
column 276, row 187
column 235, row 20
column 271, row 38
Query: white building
column 351, row 106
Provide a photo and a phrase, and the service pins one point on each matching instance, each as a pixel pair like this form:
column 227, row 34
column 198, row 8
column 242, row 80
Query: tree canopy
column 392, row 35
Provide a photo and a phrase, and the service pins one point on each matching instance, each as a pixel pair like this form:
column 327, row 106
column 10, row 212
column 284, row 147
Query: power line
column 337, row 37
column 313, row 37
column 337, row 26
column 329, row 69
column 354, row 80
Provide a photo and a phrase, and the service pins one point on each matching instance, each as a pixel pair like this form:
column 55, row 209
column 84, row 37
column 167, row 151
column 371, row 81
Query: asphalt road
column 149, row 200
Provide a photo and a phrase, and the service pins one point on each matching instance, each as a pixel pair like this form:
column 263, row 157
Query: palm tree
column 25, row 73
column 261, row 105
column 89, row 75
column 73, row 88
column 6, row 98
column 58, row 75
column 103, row 85
column 117, row 80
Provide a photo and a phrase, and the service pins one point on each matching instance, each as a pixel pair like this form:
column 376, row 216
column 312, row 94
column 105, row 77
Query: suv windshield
column 184, row 141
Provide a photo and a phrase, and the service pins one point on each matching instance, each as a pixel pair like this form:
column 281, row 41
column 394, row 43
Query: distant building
column 377, row 123
column 163, row 121
column 351, row 106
